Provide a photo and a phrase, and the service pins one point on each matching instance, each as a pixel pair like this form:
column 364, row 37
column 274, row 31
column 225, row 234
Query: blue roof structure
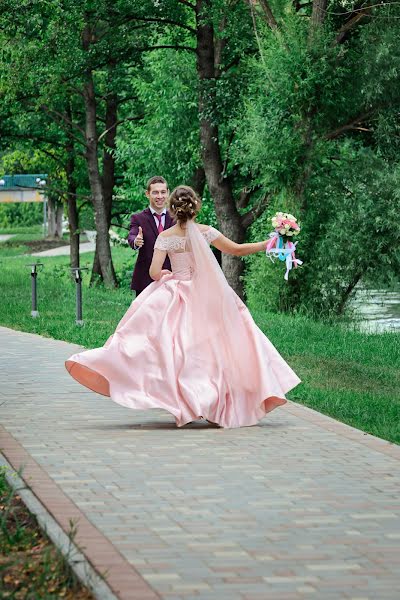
column 18, row 182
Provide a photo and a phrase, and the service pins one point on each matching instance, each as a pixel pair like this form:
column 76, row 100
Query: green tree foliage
column 20, row 214
column 320, row 131
column 70, row 62
column 262, row 107
column 166, row 139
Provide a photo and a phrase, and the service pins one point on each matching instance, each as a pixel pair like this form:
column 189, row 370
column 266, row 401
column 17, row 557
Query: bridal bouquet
column 281, row 242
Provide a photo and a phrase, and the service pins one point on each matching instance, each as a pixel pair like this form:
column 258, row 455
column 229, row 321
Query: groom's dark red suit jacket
column 141, row 278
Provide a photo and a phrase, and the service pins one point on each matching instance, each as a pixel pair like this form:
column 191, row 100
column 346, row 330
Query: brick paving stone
column 300, row 506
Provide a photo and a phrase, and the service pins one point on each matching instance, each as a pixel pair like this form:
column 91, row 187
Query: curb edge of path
column 75, row 559
column 342, row 429
column 92, row 557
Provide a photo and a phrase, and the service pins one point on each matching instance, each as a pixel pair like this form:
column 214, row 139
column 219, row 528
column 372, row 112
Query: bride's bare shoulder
column 169, row 232
column 202, row 227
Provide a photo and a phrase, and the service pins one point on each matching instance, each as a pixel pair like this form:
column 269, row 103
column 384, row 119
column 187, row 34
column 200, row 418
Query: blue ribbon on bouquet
column 285, row 252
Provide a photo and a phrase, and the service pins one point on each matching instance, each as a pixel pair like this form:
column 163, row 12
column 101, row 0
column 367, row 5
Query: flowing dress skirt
column 151, row 362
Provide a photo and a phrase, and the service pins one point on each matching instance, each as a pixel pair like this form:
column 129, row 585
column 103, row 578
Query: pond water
column 378, row 310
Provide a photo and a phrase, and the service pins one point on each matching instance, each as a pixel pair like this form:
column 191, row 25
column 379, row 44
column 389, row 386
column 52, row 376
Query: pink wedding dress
column 188, row 345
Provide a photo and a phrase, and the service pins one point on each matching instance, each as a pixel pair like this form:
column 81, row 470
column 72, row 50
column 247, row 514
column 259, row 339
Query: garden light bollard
column 34, row 273
column 77, row 271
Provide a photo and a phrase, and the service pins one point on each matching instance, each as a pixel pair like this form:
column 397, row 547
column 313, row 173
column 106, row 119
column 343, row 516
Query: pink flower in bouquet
column 292, row 224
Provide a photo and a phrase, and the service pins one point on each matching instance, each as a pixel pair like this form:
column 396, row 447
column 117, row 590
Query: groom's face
column 157, row 195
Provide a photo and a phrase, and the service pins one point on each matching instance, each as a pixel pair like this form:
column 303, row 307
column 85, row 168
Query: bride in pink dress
column 188, row 344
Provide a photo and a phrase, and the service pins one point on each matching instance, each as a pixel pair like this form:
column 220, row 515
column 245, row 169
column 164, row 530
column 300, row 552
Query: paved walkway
column 298, row 507
column 6, row 236
column 65, row 250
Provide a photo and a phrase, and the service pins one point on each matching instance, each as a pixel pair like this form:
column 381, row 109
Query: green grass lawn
column 350, row 375
column 30, row 231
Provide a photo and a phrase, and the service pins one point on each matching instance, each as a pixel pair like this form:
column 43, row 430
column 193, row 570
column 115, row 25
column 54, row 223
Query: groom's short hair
column 155, row 179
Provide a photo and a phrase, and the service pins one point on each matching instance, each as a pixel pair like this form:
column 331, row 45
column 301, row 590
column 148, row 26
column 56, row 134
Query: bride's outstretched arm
column 156, row 271
column 229, row 247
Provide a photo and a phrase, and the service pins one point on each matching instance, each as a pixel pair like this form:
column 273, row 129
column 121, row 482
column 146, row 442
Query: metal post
column 34, row 311
column 34, row 273
column 78, row 280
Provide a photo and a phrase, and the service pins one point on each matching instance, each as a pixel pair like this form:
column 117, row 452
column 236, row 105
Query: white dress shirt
column 164, row 212
column 153, row 212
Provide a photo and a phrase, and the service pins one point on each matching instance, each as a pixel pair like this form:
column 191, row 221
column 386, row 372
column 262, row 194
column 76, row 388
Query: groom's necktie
column 160, row 225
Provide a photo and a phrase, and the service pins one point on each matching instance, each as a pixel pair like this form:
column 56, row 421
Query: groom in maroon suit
column 145, row 227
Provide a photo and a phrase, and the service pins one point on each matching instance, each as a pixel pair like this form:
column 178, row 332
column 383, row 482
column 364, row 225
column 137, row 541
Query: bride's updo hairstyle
column 184, row 204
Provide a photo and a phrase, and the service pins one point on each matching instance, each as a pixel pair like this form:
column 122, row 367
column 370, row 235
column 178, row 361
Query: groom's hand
column 139, row 239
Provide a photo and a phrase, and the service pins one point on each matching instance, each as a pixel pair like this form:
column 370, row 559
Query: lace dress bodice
column 181, row 258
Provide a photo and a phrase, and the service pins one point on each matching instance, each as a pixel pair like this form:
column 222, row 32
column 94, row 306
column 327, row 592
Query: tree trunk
column 109, row 150
column 268, row 14
column 51, row 206
column 73, row 217
column 73, row 220
column 318, row 12
column 59, row 219
column 100, row 211
column 198, row 181
column 347, row 292
column 219, row 186
column 96, row 268
column 55, row 214
column 108, row 179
